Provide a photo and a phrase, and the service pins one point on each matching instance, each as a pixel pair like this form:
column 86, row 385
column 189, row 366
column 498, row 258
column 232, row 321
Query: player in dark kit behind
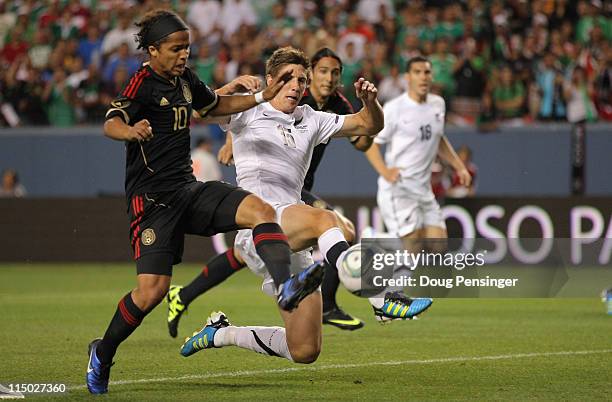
column 323, row 95
column 165, row 202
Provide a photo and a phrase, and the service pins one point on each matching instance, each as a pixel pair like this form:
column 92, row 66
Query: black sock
column 334, row 252
column 329, row 287
column 126, row 319
column 218, row 269
column 273, row 248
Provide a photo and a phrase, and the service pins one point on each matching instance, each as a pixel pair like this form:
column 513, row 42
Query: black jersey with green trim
column 164, row 162
column 336, row 103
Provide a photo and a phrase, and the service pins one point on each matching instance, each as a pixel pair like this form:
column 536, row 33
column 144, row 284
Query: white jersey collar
column 270, row 111
column 411, row 101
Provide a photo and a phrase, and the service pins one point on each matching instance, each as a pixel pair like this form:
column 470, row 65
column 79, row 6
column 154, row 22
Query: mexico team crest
column 187, row 92
column 148, row 237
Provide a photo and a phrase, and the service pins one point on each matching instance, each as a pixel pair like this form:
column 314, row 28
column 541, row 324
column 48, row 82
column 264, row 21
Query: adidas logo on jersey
column 164, row 101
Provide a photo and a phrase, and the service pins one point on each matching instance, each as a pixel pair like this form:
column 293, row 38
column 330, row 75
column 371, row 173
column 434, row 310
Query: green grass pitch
column 462, row 349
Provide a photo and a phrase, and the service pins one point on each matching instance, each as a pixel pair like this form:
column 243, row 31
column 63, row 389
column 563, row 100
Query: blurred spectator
column 351, row 65
column 41, row 50
column 407, row 50
column 373, row 11
column 236, row 13
column 357, row 34
column 88, row 96
column 308, row 19
column 205, row 63
column 11, row 188
column 550, row 84
column 111, row 89
column 509, row 95
column 487, row 120
column 15, row 46
column 204, row 15
column 24, row 91
column 90, row 47
column 450, row 25
column 65, row 27
column 456, row 189
column 578, row 93
column 122, row 58
column 392, row 86
column 442, row 65
column 603, row 87
column 7, row 21
column 467, row 74
column 58, row 97
column 590, row 15
column 204, row 162
column 123, row 33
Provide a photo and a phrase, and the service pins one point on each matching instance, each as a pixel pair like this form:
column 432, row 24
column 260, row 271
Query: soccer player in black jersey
column 165, row 202
column 323, row 94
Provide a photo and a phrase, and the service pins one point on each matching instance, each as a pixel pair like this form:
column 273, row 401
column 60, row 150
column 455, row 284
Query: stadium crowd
column 511, row 61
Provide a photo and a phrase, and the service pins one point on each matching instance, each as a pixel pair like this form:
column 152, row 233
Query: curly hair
column 145, row 25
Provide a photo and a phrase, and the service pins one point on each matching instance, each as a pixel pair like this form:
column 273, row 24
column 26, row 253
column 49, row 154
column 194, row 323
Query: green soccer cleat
column 204, row 338
column 340, row 319
column 398, row 306
column 176, row 308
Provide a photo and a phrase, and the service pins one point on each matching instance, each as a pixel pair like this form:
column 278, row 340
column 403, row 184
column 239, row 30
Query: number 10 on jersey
column 180, row 117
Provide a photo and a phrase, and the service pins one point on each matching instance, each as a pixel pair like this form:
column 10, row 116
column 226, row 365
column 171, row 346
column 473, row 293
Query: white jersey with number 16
column 412, row 133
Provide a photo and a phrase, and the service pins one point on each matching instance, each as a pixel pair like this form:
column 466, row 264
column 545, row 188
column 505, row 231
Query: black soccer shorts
column 159, row 221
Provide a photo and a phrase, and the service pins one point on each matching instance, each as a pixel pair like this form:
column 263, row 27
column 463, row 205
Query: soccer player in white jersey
column 413, row 136
column 273, row 145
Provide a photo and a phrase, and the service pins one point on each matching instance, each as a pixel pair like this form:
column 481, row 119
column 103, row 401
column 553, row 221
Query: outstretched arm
column 448, row 155
column 230, row 104
column 244, row 83
column 370, row 119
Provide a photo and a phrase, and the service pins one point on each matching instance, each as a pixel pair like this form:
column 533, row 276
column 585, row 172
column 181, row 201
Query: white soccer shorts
column 404, row 210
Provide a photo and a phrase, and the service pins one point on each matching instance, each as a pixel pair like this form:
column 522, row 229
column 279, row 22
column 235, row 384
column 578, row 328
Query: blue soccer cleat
column 97, row 372
column 398, row 306
column 300, row 285
column 204, row 338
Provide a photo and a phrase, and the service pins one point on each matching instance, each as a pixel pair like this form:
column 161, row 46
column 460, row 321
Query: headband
column 166, row 25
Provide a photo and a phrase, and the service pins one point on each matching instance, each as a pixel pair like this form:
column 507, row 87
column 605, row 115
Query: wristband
column 259, row 97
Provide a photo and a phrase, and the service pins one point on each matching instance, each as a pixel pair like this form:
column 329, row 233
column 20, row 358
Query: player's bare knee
column 305, row 353
column 325, row 220
column 152, row 296
column 262, row 213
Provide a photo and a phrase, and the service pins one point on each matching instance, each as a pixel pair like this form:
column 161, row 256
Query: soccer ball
column 353, row 269
column 350, row 269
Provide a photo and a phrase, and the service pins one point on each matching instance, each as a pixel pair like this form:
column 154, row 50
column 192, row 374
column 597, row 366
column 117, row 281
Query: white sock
column 379, row 300
column 333, row 239
column 270, row 341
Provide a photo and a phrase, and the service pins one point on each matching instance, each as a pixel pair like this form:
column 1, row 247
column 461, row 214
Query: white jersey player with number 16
column 413, row 136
